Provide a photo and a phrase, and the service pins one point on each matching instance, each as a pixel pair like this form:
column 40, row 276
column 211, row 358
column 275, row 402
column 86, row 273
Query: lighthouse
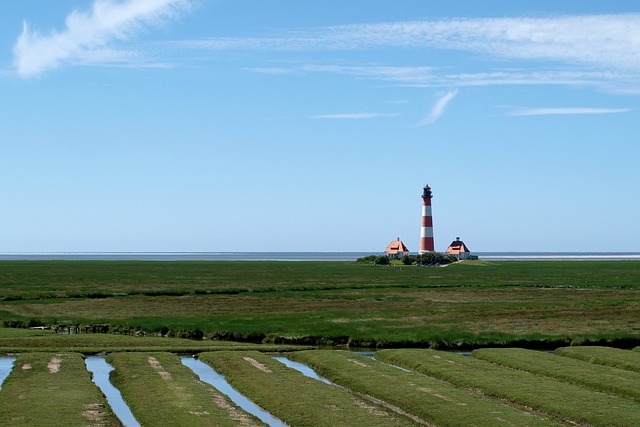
column 426, row 232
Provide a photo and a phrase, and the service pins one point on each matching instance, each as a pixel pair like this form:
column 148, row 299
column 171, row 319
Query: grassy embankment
column 161, row 391
column 294, row 398
column 21, row 340
column 432, row 400
column 470, row 304
column 604, row 356
column 598, row 377
column 46, row 389
column 564, row 400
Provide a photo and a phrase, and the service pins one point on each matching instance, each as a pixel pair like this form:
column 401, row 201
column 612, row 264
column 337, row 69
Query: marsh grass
column 23, row 333
column 598, row 377
column 96, row 279
column 470, row 304
column 429, row 399
column 52, row 389
column 566, row 401
column 617, row 358
column 161, row 391
column 98, row 343
column 294, row 398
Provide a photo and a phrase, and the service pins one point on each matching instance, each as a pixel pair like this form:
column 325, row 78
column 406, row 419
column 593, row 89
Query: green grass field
column 21, row 340
column 444, row 389
column 161, row 391
column 46, row 389
column 476, row 303
column 272, row 306
column 433, row 401
column 294, row 398
column 604, row 356
column 598, row 377
column 564, row 400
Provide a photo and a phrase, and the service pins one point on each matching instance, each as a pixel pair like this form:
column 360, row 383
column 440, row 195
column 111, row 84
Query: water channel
column 210, row 376
column 100, row 369
column 301, row 367
column 6, row 365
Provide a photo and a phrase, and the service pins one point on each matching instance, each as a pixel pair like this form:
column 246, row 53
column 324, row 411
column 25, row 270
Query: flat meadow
column 47, row 389
column 464, row 305
column 161, row 391
column 489, row 388
column 501, row 374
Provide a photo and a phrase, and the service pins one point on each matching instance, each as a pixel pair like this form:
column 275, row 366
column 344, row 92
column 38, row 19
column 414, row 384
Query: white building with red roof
column 397, row 249
column 459, row 249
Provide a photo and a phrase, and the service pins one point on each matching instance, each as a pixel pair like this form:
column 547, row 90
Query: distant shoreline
column 297, row 256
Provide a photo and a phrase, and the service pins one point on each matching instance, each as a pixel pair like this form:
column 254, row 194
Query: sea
column 299, row 256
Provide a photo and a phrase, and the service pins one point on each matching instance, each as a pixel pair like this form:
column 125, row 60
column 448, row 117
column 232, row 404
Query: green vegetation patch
column 98, row 343
column 23, row 333
column 52, row 389
column 295, row 398
column 598, row 377
column 161, row 391
column 465, row 305
column 99, row 279
column 623, row 359
column 397, row 316
column 429, row 399
column 566, row 401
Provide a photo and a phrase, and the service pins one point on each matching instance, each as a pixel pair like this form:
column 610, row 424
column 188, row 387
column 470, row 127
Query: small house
column 459, row 249
column 396, row 249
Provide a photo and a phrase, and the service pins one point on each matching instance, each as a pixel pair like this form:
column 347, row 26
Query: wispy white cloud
column 353, row 115
column 393, row 73
column 566, row 110
column 608, row 41
column 600, row 51
column 434, row 77
column 272, row 70
column 601, row 40
column 607, row 58
column 438, row 108
column 87, row 35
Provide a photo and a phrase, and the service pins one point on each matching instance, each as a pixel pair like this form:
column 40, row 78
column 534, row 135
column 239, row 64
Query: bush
column 368, row 259
column 374, row 259
column 427, row 259
column 382, row 260
column 435, row 258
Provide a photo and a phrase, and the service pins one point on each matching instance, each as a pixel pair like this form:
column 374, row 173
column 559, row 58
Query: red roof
column 456, row 247
column 396, row 247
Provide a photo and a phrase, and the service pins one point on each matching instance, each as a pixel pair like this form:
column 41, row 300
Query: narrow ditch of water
column 210, row 376
column 6, row 365
column 372, row 357
column 100, row 369
column 301, row 367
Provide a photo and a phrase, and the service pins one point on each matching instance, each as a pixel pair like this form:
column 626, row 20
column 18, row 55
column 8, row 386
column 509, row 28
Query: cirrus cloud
column 565, row 111
column 557, row 50
column 88, row 34
column 353, row 115
column 605, row 41
column 438, row 108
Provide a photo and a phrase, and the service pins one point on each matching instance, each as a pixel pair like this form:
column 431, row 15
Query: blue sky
column 234, row 125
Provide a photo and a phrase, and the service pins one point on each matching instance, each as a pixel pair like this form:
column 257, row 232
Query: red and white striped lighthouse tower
column 426, row 232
